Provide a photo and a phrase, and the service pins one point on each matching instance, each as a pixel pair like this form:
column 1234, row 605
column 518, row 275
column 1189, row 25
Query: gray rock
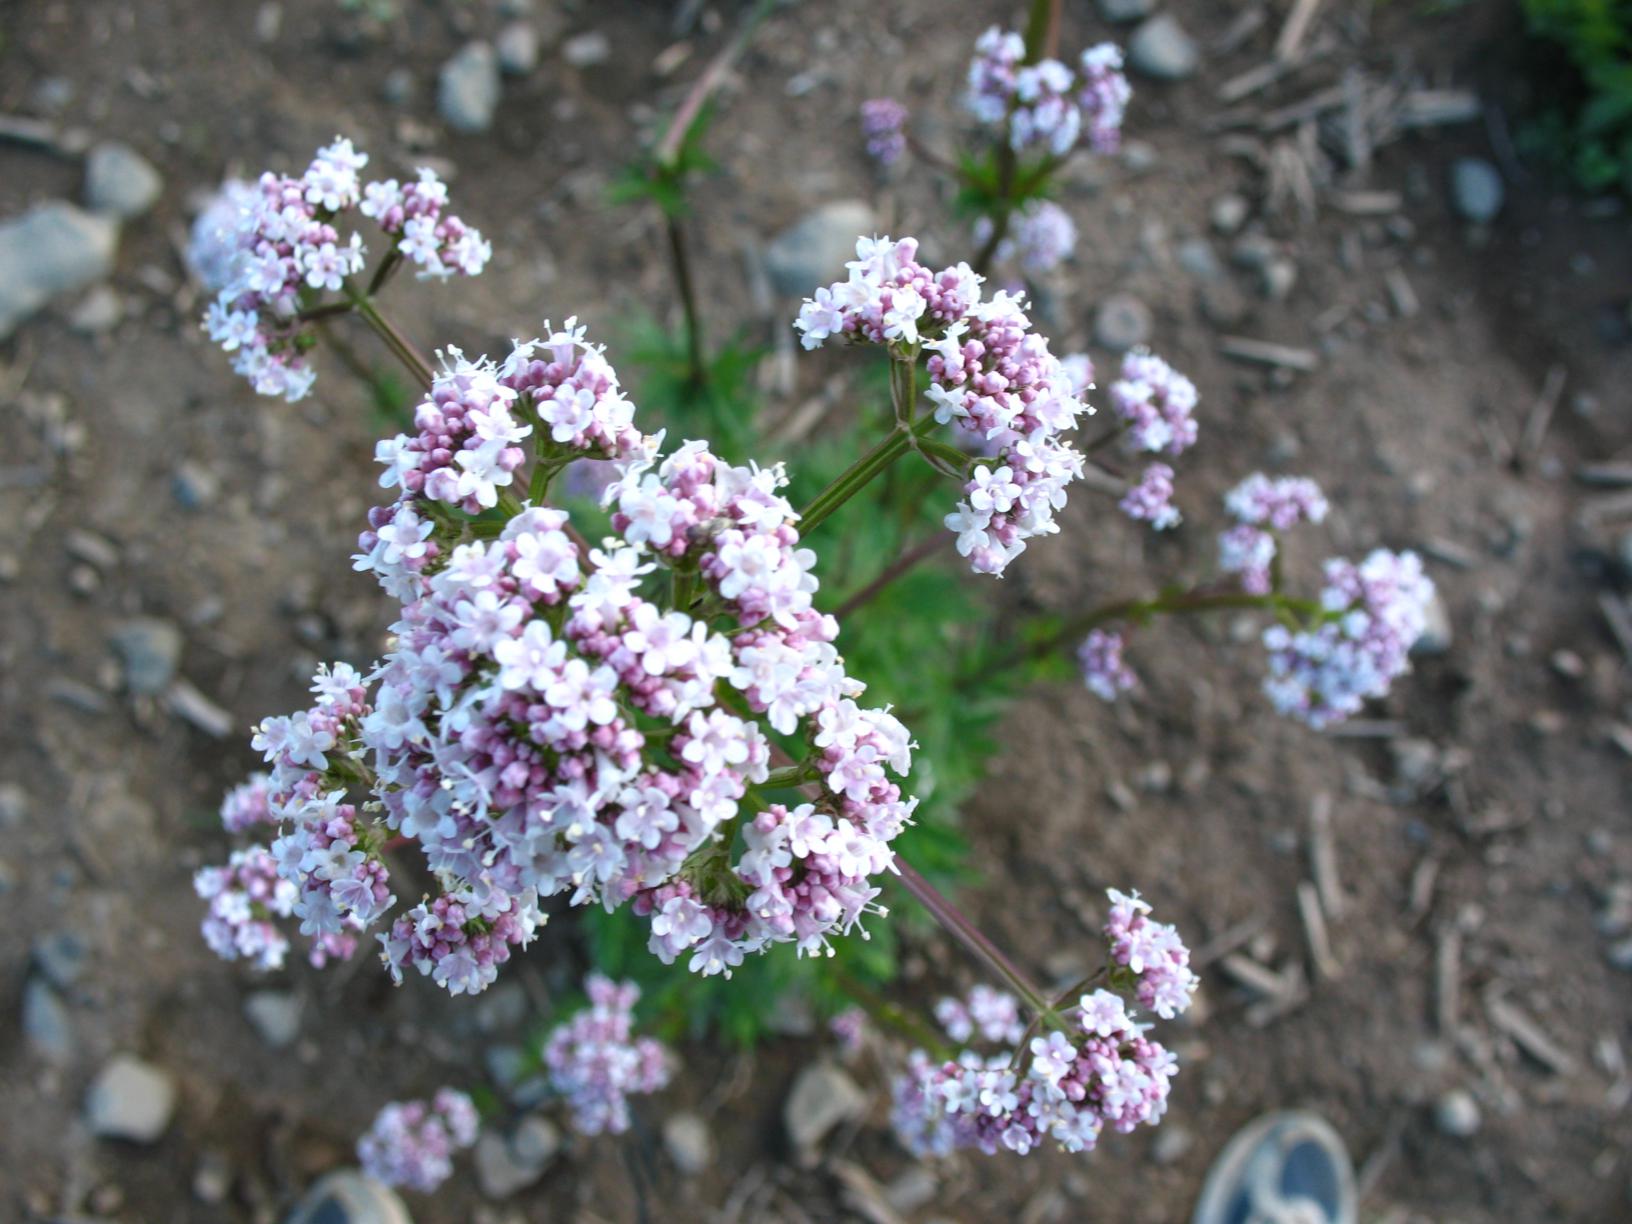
column 212, row 1177
column 1126, row 10
column 150, row 649
column 193, row 485
column 13, row 805
column 1160, row 48
column 518, row 48
column 51, row 249
column 1456, row 1114
column 348, row 1197
column 275, row 1015
column 1139, row 156
column 130, row 1099
column 61, row 957
column 1436, row 633
column 468, row 88
column 823, row 1097
column 119, row 181
column 1197, row 257
column 587, row 49
column 1476, row 189
column 1122, row 322
column 47, row 1023
column 1280, row 276
column 98, row 311
column 507, row 1165
column 813, row 250
column 1229, row 213
column 689, row 1143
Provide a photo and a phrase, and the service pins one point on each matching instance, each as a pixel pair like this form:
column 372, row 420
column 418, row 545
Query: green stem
column 854, row 478
column 681, row 258
column 400, row 346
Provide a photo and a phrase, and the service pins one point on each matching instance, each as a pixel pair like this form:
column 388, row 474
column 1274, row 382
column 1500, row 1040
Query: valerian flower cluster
column 1096, row 1069
column 272, row 250
column 1045, row 104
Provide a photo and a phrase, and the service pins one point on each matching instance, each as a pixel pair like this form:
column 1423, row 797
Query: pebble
column 47, row 1023
column 1436, row 632
column 398, row 87
column 61, row 957
column 1229, row 213
column 53, row 248
column 1456, row 1114
column 1280, row 275
column 507, row 1165
column 275, row 1015
column 1197, row 257
column 119, row 181
column 914, row 1187
column 193, row 485
column 823, row 1097
column 518, row 48
column 1126, row 10
column 813, row 250
column 1122, row 322
column 98, row 311
column 13, row 805
column 1160, row 48
column 689, row 1143
column 587, row 49
column 1476, row 189
column 130, row 1099
column 1172, row 1142
column 347, row 1197
column 150, row 650
column 468, row 88
column 212, row 1177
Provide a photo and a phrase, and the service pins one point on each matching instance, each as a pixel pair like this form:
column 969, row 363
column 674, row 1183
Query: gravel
column 52, row 249
column 814, row 249
column 47, row 1023
column 1476, row 189
column 1122, row 322
column 130, row 1099
column 690, row 1145
column 468, row 88
column 587, row 50
column 150, row 650
column 120, row 182
column 1456, row 1114
column 1160, row 48
column 275, row 1015
column 823, row 1097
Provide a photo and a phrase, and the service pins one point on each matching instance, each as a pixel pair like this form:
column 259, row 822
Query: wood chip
column 1619, row 619
column 1295, row 28
column 1367, row 728
column 1607, row 509
column 1401, row 293
column 1450, row 552
column 1294, row 996
column 1527, row 1034
column 1323, row 855
column 1541, row 412
column 1247, row 23
column 1315, row 933
column 1605, row 475
column 1423, row 879
column 1365, row 203
column 1311, row 107
column 863, row 1195
column 187, row 703
column 1436, row 107
column 1256, row 977
column 1448, row 979
column 1263, row 352
column 1228, row 940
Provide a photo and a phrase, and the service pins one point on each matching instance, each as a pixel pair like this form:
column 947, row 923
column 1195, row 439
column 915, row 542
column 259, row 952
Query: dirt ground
column 1477, row 824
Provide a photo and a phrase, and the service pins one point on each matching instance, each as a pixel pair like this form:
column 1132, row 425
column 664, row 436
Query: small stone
column 1417, row 763
column 1436, row 632
column 914, row 1187
column 52, row 249
column 518, row 48
column 212, row 1177
column 398, row 87
column 1229, row 213
column 813, row 250
column 504, row 1168
column 587, row 49
column 1253, row 252
column 348, row 1197
column 150, row 649
column 98, row 311
column 1138, row 156
column 13, row 805
column 687, row 1139
column 536, row 1140
column 823, row 1097
column 61, row 957
column 1122, row 322
column 1120, row 11
column 47, row 1023
column 119, row 181
column 1280, row 276
column 275, row 1015
column 193, row 485
column 130, row 1099
column 468, row 88
column 1476, row 189
column 1620, row 954
column 91, row 548
column 1197, row 257
column 1172, row 1142
column 1160, row 48
column 1456, row 1114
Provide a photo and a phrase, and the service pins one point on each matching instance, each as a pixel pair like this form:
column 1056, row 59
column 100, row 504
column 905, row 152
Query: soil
column 1483, row 804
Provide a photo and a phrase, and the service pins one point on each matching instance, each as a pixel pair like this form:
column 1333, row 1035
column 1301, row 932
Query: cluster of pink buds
column 1011, row 399
column 1262, row 505
column 595, row 1063
column 271, row 252
column 1156, row 404
column 1150, row 500
column 244, row 897
column 1045, row 104
column 1095, row 1069
column 1041, row 237
column 1103, row 670
column 884, row 124
column 412, row 1143
column 248, row 804
column 1374, row 612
